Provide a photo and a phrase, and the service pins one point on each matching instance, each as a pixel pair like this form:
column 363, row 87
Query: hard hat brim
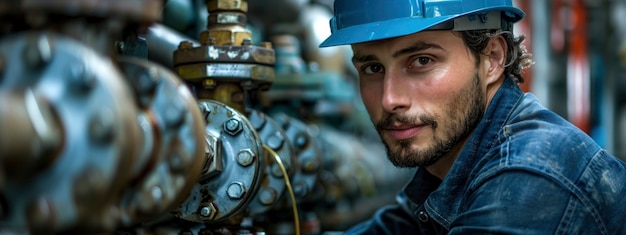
column 401, row 27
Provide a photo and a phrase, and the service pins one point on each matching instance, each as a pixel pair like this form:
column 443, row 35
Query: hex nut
column 102, row 126
column 208, row 210
column 245, row 157
column 232, row 126
column 301, row 139
column 227, row 5
column 276, row 141
column 235, row 190
column 175, row 113
column 185, row 45
column 225, row 37
column 267, row 196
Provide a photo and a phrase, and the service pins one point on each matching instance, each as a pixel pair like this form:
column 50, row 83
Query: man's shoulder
column 592, row 183
column 548, row 145
column 539, row 141
column 537, row 136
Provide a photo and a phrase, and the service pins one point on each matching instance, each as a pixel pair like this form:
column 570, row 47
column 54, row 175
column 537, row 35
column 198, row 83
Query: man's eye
column 372, row 69
column 421, row 61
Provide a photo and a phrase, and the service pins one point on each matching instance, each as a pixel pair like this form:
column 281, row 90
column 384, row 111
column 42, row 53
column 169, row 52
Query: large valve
column 73, row 103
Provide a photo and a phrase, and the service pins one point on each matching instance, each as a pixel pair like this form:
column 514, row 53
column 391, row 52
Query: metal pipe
column 541, row 49
column 162, row 42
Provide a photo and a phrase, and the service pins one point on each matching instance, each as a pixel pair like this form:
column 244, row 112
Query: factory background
column 225, row 117
column 579, row 50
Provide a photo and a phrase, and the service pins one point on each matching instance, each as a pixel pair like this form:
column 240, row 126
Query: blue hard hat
column 358, row 21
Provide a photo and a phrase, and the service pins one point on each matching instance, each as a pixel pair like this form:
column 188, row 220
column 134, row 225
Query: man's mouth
column 404, row 132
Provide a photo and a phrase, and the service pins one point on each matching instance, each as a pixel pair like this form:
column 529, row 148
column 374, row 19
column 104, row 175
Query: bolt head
column 245, row 157
column 301, row 140
column 267, row 196
column 275, row 141
column 176, row 163
column 205, row 211
column 102, row 127
column 235, row 190
column 276, row 171
column 208, row 211
column 232, row 126
column 83, row 79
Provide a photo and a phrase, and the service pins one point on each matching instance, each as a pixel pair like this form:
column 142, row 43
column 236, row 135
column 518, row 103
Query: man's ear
column 494, row 56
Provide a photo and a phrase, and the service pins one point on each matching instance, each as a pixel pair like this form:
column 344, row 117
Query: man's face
column 422, row 92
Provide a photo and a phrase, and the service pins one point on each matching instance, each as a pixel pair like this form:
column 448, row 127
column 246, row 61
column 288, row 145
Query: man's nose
column 396, row 93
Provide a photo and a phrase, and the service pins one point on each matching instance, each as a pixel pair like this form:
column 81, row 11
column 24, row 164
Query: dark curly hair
column 517, row 58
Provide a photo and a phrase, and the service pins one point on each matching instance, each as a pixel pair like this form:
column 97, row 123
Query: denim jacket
column 524, row 170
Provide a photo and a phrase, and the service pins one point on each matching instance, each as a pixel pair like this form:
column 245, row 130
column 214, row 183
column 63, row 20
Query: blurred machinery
column 580, row 62
column 113, row 123
column 201, row 117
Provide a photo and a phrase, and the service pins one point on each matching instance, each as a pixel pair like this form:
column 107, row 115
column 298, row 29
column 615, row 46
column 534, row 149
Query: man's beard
column 463, row 112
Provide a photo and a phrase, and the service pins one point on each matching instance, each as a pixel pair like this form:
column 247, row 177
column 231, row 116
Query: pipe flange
column 274, row 137
column 89, row 97
column 236, row 169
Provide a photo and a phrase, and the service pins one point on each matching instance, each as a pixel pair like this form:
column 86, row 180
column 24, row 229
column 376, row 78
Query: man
column 439, row 81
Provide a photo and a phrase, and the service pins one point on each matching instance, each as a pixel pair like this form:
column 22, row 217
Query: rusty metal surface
column 232, row 54
column 226, row 56
column 225, row 35
column 139, row 10
column 173, row 147
column 229, row 72
column 225, row 63
column 226, row 23
column 95, row 148
column 88, row 96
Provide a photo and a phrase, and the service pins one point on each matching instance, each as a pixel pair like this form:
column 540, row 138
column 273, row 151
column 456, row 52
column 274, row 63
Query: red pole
column 578, row 72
